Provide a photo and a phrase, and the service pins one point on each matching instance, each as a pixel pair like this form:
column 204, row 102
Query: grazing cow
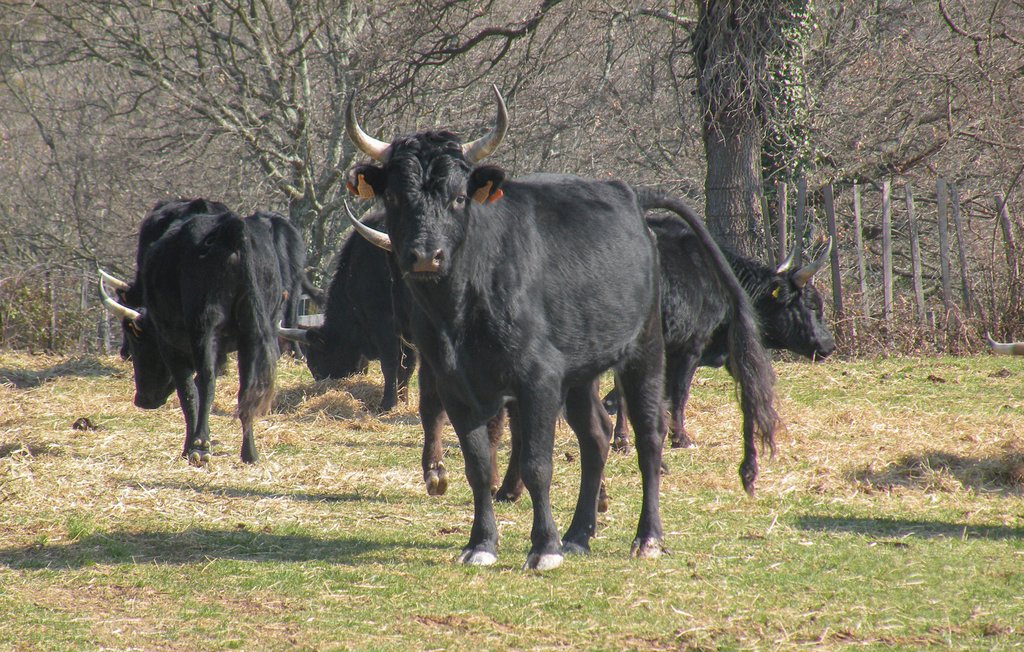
column 291, row 259
column 1005, row 348
column 524, row 292
column 696, row 317
column 206, row 285
column 362, row 320
column 288, row 245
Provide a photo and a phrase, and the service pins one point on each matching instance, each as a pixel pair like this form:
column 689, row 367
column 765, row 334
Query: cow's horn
column 484, row 146
column 115, row 282
column 804, row 275
column 787, row 264
column 115, row 308
column 375, row 149
column 379, row 238
column 293, row 334
column 1010, row 348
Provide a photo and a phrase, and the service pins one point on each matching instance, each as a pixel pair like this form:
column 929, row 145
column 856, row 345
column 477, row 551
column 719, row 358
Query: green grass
column 892, row 517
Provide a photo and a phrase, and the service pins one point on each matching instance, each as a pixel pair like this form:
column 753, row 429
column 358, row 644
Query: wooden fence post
column 954, row 209
column 915, row 258
column 782, row 209
column 798, row 220
column 859, row 245
column 947, row 286
column 828, row 196
column 886, row 254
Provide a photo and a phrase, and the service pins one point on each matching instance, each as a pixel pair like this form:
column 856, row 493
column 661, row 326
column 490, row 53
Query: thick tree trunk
column 732, row 207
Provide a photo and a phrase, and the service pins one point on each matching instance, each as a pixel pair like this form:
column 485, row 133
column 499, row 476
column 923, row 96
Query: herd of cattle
column 514, row 295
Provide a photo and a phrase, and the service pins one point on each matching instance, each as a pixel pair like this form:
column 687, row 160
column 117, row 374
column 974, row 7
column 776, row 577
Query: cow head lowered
column 153, row 381
column 426, row 182
column 790, row 309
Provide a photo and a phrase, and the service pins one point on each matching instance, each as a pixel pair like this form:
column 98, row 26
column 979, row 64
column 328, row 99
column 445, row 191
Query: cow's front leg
column 538, row 408
column 432, row 415
column 482, row 549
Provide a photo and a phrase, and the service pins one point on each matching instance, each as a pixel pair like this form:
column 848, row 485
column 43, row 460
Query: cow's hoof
column 437, row 481
column 504, row 495
column 543, row 562
column 199, row 458
column 646, row 549
column 683, row 441
column 473, row 557
column 575, row 548
column 620, row 445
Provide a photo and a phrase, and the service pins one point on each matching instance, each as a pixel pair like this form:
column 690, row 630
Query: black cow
column 362, row 320
column 208, row 284
column 517, row 291
column 291, row 259
column 288, row 245
column 696, row 316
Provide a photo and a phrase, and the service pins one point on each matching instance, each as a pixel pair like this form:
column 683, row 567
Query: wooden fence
column 943, row 310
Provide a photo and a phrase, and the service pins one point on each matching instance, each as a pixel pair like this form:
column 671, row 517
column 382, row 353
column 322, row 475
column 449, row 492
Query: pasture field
column 892, row 517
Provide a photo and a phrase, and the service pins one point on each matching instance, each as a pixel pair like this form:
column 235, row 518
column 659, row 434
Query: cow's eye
column 459, row 201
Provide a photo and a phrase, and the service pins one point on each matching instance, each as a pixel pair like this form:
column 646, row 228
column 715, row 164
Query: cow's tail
column 749, row 362
column 257, row 347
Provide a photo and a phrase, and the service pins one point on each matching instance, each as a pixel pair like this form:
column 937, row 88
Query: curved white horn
column 115, row 308
column 1001, row 348
column 787, row 264
column 115, row 282
column 293, row 334
column 379, row 238
column 804, row 275
column 482, row 147
column 375, row 149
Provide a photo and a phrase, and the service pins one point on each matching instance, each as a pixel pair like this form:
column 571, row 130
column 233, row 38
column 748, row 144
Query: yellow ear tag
column 482, row 193
column 776, row 292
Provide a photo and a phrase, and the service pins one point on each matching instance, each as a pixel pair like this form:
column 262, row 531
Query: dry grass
column 891, row 517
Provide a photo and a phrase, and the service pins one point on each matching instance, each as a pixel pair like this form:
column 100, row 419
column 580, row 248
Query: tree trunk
column 733, row 150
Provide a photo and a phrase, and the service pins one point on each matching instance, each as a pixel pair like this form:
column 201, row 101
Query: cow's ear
column 485, row 184
column 366, row 181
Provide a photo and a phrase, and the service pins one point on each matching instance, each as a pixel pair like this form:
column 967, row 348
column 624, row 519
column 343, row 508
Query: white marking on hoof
column 477, row 558
column 543, row 562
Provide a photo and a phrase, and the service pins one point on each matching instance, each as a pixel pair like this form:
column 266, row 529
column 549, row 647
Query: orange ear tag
column 498, row 194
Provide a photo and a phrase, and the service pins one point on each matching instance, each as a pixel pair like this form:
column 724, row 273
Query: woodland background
column 108, row 106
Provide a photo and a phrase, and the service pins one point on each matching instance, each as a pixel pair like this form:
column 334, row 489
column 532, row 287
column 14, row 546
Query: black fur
column 207, row 284
column 521, row 300
column 360, row 320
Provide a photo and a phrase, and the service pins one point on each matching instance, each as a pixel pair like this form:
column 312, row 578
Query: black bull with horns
column 361, row 320
column 206, row 284
column 696, row 316
column 524, row 292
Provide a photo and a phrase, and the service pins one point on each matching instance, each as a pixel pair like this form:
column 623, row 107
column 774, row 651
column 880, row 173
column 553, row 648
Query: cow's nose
column 427, row 261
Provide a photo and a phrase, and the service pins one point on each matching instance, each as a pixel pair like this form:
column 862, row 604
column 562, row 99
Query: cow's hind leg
column 679, row 373
column 587, row 418
column 435, row 476
column 206, row 382
column 641, row 379
column 512, row 484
